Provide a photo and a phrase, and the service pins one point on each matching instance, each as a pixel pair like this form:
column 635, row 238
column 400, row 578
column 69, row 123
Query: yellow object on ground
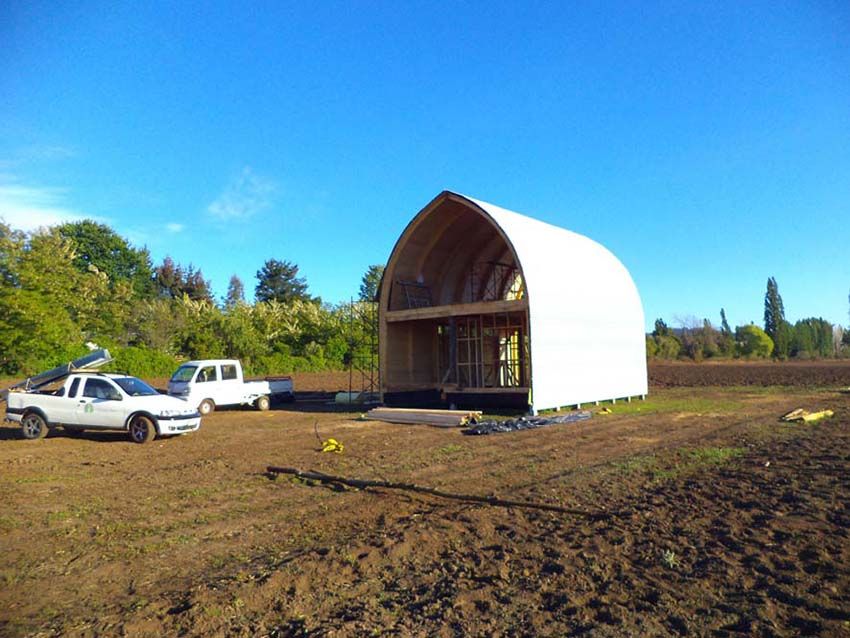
column 332, row 445
column 816, row 416
column 804, row 415
column 605, row 411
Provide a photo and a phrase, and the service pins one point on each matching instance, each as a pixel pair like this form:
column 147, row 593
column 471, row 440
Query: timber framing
column 457, row 310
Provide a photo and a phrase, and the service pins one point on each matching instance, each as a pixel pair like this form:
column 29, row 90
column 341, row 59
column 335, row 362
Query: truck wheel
column 33, row 426
column 206, row 406
column 262, row 404
column 142, row 429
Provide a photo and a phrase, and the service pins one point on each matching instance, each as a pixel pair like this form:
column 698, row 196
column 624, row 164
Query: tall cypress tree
column 726, row 342
column 774, row 320
column 724, row 325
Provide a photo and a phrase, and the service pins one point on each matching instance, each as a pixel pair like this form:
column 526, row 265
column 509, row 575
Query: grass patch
column 46, row 478
column 679, row 463
column 8, row 523
column 667, row 404
column 196, row 492
column 713, row 455
column 75, row 511
column 452, row 449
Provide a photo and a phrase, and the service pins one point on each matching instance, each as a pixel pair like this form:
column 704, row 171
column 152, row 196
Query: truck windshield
column 135, row 387
column 184, row 373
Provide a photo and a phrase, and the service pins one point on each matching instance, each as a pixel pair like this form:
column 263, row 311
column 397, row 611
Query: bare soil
column 706, row 516
column 817, row 373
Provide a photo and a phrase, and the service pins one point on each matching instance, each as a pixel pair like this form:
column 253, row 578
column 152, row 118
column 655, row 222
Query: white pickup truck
column 89, row 400
column 219, row 382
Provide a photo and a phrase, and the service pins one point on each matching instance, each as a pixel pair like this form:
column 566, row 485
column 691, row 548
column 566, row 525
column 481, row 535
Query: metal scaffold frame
column 362, row 355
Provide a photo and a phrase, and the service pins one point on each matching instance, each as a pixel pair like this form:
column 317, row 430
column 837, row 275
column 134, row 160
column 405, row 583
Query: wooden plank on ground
column 439, row 418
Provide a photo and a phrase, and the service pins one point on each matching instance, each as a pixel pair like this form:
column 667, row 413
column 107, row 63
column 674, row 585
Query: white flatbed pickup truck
column 99, row 401
column 218, row 382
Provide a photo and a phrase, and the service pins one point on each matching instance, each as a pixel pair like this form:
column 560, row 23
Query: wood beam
column 457, row 310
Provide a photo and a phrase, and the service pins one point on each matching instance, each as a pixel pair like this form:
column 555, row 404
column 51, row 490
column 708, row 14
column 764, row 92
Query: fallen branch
column 312, row 475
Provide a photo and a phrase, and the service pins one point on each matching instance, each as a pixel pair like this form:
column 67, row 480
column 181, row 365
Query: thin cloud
column 31, row 207
column 174, row 228
column 246, row 195
column 48, row 152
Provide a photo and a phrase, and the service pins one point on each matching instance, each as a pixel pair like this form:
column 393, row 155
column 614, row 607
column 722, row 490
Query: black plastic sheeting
column 526, row 423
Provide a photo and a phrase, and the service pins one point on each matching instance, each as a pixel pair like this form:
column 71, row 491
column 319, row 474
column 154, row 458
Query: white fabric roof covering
column 586, row 320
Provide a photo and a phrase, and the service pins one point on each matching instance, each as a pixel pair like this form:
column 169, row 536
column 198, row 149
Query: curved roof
column 586, row 320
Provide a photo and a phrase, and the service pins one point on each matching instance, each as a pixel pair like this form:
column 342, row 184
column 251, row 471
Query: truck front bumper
column 179, row 425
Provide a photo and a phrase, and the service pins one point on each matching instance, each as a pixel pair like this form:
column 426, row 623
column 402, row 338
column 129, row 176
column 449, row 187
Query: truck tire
column 262, row 404
column 142, row 429
column 33, row 426
column 206, row 406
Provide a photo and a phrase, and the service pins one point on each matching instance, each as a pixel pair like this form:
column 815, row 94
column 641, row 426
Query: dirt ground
column 705, row 515
column 817, row 373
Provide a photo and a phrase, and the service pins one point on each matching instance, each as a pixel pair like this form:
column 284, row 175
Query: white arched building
column 481, row 306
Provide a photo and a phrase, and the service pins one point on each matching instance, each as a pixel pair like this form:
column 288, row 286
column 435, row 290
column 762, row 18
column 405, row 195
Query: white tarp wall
column 586, row 321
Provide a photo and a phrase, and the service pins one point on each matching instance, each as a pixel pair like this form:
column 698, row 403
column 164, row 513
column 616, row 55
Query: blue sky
column 706, row 144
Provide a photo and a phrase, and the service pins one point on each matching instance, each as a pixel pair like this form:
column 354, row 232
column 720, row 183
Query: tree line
column 812, row 338
column 80, row 282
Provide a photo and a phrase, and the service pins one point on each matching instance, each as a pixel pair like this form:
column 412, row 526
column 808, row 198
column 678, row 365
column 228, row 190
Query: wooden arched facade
column 455, row 324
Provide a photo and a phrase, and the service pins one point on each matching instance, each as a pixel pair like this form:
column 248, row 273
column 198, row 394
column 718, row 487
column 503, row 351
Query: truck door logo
column 89, row 408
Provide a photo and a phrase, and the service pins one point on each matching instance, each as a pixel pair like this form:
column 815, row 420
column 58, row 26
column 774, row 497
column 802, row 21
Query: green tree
column 235, row 292
column 752, row 341
column 370, row 282
column 812, row 337
column 668, row 347
column 661, row 329
column 201, row 336
column 174, row 281
column 775, row 325
column 99, row 246
column 724, row 325
column 726, row 340
column 39, row 299
column 279, row 281
column 240, row 336
column 651, row 347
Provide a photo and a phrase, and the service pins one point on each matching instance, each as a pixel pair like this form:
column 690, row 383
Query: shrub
column 752, row 341
column 144, row 362
column 651, row 347
column 668, row 347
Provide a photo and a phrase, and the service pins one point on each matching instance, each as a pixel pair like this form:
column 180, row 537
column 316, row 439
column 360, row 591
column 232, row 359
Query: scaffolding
column 362, row 356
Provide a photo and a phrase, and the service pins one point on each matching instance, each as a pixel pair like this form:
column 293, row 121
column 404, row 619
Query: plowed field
column 704, row 515
column 750, row 373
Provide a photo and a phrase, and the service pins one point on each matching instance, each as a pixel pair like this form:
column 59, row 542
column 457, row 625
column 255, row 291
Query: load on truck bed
column 78, row 397
column 218, row 382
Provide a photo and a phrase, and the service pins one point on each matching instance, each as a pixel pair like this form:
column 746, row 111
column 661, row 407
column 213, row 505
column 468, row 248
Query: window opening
column 495, row 281
column 228, row 372
column 207, row 373
column 416, row 294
